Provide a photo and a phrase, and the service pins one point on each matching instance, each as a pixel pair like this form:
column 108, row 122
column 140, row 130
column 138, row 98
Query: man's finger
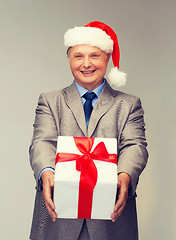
column 117, row 214
column 48, row 186
column 122, row 198
column 50, row 205
column 51, row 211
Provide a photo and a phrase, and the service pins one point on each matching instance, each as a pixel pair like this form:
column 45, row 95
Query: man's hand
column 122, row 188
column 48, row 186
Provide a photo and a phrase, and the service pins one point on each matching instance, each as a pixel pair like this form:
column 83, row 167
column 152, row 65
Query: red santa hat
column 102, row 36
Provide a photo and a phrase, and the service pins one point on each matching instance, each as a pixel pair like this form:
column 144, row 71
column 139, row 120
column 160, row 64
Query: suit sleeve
column 43, row 147
column 133, row 154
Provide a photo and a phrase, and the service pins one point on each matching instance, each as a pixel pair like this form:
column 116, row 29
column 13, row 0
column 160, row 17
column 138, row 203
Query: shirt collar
column 83, row 90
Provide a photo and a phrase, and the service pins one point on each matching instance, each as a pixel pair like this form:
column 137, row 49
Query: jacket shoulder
column 122, row 96
column 127, row 96
column 128, row 101
column 52, row 95
column 55, row 94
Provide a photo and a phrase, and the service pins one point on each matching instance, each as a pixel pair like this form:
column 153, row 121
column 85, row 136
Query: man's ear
column 68, row 51
column 108, row 57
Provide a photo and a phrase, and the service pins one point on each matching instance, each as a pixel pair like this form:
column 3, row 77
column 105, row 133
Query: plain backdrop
column 33, row 60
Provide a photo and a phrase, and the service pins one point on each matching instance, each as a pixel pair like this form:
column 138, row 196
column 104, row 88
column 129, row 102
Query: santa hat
column 102, row 36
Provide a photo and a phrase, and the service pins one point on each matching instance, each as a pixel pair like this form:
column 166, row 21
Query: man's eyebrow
column 95, row 53
column 78, row 53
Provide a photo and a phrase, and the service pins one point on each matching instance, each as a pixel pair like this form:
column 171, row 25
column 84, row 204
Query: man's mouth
column 88, row 72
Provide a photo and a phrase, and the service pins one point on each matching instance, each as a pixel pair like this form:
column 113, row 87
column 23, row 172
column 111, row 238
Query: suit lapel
column 74, row 102
column 103, row 104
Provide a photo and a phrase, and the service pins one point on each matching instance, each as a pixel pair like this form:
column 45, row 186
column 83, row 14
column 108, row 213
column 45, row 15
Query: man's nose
column 87, row 62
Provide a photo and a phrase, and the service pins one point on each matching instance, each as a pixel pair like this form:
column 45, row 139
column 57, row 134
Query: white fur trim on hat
column 88, row 35
column 116, row 78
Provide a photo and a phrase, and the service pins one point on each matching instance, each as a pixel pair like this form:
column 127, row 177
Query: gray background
column 33, row 60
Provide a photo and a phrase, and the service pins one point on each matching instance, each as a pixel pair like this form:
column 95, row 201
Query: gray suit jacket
column 115, row 114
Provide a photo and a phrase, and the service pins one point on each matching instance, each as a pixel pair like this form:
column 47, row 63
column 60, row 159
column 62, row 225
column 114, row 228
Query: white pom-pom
column 116, row 78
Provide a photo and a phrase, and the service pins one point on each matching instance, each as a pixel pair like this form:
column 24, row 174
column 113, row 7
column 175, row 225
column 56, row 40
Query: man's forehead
column 85, row 48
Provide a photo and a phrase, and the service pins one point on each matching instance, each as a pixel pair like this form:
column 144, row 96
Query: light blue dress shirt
column 81, row 91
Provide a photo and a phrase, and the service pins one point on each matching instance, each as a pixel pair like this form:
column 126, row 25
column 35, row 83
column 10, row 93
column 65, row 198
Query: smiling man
column 111, row 114
column 88, row 65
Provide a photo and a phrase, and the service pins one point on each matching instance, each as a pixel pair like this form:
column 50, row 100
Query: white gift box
column 67, row 180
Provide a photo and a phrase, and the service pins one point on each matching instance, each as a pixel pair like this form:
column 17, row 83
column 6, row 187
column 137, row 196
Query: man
column 115, row 114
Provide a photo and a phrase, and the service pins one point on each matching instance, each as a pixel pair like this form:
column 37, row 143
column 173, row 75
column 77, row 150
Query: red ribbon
column 86, row 165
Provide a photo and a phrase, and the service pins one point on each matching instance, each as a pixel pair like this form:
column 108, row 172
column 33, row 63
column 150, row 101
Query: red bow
column 86, row 165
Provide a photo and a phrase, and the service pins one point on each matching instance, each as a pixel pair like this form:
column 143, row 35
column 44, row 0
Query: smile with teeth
column 87, row 72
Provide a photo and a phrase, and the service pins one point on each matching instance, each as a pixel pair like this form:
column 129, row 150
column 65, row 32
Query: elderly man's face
column 88, row 65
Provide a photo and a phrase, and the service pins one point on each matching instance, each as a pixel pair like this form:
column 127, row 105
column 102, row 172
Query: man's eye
column 95, row 56
column 78, row 56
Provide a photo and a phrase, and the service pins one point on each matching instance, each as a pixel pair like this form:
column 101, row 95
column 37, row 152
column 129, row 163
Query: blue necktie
column 89, row 96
